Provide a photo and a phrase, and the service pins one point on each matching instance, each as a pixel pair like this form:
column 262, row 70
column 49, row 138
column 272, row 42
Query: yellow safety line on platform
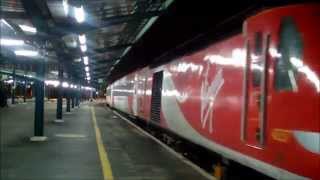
column 106, row 167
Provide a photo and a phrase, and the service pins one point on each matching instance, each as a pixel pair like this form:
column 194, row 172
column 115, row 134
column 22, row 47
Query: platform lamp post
column 60, row 94
column 39, row 105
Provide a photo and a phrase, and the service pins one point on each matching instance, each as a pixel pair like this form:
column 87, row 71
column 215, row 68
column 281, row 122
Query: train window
column 256, row 74
column 290, row 48
column 108, row 91
column 258, row 43
column 256, row 60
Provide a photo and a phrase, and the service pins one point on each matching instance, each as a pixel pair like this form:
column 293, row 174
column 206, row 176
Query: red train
column 253, row 98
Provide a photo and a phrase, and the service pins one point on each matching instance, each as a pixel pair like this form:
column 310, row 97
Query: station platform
column 91, row 144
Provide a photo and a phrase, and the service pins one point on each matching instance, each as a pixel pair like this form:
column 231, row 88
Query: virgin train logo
column 209, row 92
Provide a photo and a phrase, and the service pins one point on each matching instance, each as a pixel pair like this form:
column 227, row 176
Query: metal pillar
column 68, row 100
column 39, row 105
column 13, row 87
column 77, row 97
column 59, row 98
column 72, row 98
column 25, row 87
column 25, row 91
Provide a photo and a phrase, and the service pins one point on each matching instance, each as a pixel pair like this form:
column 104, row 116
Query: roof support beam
column 106, row 22
column 13, row 15
column 113, row 48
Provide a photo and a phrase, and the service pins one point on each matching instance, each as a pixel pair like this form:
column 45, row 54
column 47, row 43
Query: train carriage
column 253, row 98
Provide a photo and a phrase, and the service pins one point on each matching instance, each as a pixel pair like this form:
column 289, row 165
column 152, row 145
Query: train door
column 139, row 91
column 142, row 93
column 255, row 89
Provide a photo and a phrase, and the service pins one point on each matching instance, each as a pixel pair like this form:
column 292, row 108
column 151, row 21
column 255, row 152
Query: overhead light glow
column 85, row 60
column 82, row 39
column 10, row 81
column 88, row 88
column 88, row 78
column 77, row 60
column 86, row 68
column 87, row 74
column 6, row 23
column 79, row 14
column 65, row 84
column 28, row 28
column 11, row 42
column 83, row 48
column 54, row 83
column 65, row 6
column 26, row 53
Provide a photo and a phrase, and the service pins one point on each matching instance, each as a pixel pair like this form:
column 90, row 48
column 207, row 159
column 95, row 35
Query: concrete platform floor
column 71, row 152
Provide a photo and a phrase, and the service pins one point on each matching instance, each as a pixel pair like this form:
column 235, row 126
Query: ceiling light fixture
column 28, row 28
column 87, row 74
column 86, row 68
column 65, row 6
column 85, row 60
column 77, row 60
column 82, row 39
column 26, row 53
column 79, row 14
column 11, row 42
column 6, row 23
column 83, row 48
column 65, row 84
column 54, row 83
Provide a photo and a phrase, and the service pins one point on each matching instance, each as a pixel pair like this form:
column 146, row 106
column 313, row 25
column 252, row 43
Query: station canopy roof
column 76, row 33
column 101, row 40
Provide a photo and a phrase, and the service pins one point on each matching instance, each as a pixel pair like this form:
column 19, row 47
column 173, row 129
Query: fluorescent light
column 10, row 81
column 86, row 68
column 65, row 6
column 54, row 83
column 82, row 39
column 65, row 84
column 87, row 74
column 77, row 60
column 11, row 42
column 85, row 60
column 88, row 78
column 28, row 28
column 26, row 53
column 79, row 14
column 6, row 23
column 83, row 48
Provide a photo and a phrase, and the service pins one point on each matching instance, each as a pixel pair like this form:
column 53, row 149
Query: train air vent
column 156, row 96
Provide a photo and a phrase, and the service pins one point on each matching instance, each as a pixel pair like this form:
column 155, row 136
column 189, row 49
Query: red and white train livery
column 254, row 97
